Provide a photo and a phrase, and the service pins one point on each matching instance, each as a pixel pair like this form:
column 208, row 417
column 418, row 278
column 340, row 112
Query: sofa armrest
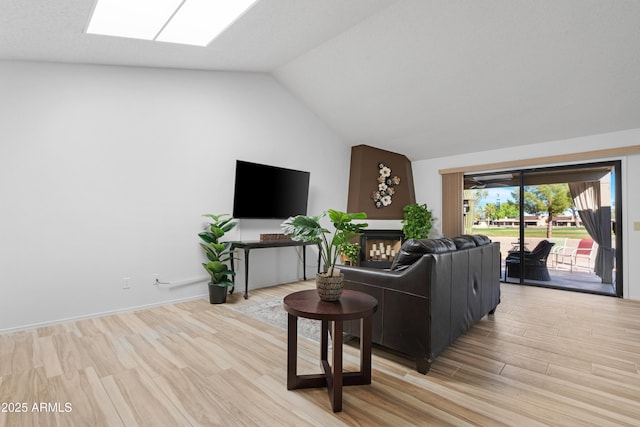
column 412, row 280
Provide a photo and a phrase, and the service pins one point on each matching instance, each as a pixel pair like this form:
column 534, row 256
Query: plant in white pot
column 331, row 245
column 218, row 253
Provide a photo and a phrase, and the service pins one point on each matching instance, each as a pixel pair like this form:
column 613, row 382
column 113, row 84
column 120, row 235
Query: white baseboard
column 96, row 315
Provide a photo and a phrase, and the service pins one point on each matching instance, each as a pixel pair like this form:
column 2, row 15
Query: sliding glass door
column 558, row 226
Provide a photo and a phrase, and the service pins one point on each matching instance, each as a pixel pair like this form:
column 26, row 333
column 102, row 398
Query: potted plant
column 351, row 252
column 331, row 245
column 416, row 223
column 218, row 253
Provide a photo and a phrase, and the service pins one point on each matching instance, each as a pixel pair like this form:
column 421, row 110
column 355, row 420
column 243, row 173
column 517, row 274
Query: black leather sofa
column 435, row 290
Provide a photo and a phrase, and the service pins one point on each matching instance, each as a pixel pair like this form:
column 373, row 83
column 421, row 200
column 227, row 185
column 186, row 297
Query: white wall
column 105, row 172
column 428, row 184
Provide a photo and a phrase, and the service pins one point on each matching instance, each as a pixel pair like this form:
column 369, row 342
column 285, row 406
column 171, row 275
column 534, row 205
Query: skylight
column 192, row 22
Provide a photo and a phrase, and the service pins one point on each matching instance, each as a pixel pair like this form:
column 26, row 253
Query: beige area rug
column 272, row 312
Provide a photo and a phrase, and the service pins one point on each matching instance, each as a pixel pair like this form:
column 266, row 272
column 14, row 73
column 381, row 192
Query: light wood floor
column 547, row 357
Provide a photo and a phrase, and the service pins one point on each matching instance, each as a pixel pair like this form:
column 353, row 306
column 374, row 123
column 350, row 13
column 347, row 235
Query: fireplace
column 378, row 248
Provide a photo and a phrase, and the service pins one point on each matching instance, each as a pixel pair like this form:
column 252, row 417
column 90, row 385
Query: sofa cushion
column 438, row 246
column 413, row 249
column 480, row 239
column 410, row 251
column 464, row 242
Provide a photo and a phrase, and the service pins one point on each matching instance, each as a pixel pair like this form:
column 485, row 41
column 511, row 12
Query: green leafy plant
column 218, row 253
column 351, row 251
column 416, row 223
column 308, row 229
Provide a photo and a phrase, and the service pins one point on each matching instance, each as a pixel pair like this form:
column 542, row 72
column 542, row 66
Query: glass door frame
column 617, row 225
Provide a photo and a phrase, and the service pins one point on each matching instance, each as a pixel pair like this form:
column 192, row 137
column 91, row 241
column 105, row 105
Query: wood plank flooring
column 547, row 357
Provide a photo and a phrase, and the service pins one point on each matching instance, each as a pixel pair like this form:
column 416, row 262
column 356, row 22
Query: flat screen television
column 269, row 192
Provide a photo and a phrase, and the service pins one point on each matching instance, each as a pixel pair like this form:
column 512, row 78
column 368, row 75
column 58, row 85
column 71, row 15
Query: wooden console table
column 260, row 244
column 351, row 305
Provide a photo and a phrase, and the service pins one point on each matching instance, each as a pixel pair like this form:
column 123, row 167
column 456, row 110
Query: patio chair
column 559, row 250
column 585, row 251
column 535, row 262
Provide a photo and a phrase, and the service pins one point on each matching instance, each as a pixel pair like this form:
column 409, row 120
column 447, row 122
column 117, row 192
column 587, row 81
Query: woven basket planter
column 329, row 287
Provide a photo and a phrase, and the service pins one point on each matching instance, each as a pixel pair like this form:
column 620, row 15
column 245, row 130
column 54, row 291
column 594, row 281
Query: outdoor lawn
column 532, row 232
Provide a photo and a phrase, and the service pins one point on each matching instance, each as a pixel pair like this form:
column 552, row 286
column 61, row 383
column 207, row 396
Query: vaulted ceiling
column 425, row 78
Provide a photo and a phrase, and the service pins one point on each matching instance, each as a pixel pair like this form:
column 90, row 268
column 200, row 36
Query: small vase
column 329, row 287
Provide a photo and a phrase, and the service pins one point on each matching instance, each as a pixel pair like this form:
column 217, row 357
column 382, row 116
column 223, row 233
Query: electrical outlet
column 126, row 283
column 636, row 226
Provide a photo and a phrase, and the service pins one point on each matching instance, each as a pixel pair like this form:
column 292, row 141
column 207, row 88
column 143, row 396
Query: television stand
column 261, row 244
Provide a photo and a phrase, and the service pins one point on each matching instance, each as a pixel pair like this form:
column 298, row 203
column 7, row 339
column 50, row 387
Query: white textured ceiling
column 425, row 78
column 269, row 35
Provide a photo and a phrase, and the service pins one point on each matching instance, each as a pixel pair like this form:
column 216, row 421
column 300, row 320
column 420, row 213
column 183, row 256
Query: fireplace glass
column 378, row 248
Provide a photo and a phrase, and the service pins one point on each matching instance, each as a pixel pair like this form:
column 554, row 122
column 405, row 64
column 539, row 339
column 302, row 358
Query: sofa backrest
column 413, row 249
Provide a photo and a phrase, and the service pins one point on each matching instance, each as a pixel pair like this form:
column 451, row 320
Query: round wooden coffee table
column 352, row 305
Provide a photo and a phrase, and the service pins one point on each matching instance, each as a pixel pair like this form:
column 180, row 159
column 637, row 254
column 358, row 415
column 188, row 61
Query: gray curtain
column 586, row 196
